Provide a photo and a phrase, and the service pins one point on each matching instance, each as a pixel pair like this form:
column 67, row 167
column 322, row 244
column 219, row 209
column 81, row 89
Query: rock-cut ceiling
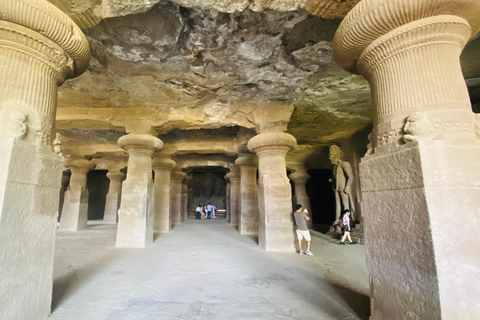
column 198, row 70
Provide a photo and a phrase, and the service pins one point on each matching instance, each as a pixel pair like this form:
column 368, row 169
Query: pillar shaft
column 422, row 170
column 75, row 205
column 299, row 179
column 162, row 168
column 227, row 200
column 113, row 197
column 135, row 224
column 248, row 217
column 185, row 197
column 37, row 53
column 234, row 177
column 176, row 197
column 274, row 191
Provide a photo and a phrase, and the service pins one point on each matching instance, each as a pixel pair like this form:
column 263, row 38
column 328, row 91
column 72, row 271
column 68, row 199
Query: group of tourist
column 205, row 212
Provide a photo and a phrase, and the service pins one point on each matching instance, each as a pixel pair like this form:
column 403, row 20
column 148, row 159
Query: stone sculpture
column 342, row 181
column 417, row 127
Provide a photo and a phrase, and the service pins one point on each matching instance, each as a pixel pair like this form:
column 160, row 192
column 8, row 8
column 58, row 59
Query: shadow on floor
column 358, row 302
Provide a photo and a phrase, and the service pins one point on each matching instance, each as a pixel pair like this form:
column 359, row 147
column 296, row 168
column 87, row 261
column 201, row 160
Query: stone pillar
column 135, row 224
column 248, row 217
column 234, row 177
column 185, row 197
column 227, row 200
column 299, row 179
column 161, row 212
column 75, row 204
column 40, row 47
column 176, row 197
column 113, row 196
column 420, row 178
column 274, row 191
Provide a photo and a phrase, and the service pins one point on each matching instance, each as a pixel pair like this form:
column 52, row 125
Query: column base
column 135, row 224
column 30, row 178
column 75, row 211
column 111, row 208
column 421, row 207
column 275, row 232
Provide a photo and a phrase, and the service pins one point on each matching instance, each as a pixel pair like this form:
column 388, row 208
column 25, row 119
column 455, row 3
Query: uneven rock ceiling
column 204, row 75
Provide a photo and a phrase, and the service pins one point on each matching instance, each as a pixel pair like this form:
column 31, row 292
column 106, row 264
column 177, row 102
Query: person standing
column 346, row 222
column 198, row 214
column 301, row 217
column 209, row 210
column 214, row 209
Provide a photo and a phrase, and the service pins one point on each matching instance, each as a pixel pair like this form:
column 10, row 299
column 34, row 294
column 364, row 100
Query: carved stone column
column 274, row 191
column 422, row 170
column 234, row 177
column 161, row 216
column 248, row 217
column 227, row 200
column 185, row 182
column 176, row 197
column 113, row 196
column 135, row 224
column 299, row 179
column 40, row 47
column 75, row 204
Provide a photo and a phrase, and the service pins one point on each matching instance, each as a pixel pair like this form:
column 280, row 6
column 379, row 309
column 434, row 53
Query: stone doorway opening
column 208, row 185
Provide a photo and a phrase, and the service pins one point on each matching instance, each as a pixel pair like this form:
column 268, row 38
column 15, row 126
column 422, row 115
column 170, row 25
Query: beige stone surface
column 162, row 166
column 112, row 202
column 248, row 217
column 234, row 196
column 420, row 167
column 176, row 178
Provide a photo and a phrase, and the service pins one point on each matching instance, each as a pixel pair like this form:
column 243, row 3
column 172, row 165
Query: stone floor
column 205, row 270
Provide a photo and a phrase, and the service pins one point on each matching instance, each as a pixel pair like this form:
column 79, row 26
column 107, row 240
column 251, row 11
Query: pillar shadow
column 358, row 302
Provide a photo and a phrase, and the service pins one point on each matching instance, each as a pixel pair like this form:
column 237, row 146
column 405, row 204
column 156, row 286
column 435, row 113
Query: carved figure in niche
column 342, row 181
column 370, row 149
column 17, row 127
column 56, row 144
column 417, row 127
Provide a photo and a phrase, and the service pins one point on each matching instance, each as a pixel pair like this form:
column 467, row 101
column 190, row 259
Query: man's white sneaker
column 309, row 253
column 301, row 252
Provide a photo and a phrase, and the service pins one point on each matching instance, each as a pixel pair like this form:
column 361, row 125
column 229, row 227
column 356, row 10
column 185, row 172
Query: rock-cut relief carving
column 17, row 127
column 56, row 145
column 370, row 149
column 417, row 127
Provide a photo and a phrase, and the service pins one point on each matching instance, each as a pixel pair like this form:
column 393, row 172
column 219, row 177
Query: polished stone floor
column 205, row 270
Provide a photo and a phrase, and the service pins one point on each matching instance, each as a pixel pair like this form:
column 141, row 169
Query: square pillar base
column 135, row 224
column 421, row 211
column 30, row 178
column 75, row 211
column 111, row 208
column 275, row 231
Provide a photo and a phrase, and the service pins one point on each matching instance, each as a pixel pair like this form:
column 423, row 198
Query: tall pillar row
column 299, row 178
column 75, row 204
column 423, row 169
column 162, row 168
column 113, row 196
column 40, row 47
column 135, row 224
column 185, row 182
column 227, row 200
column 274, row 191
column 234, row 177
column 248, row 215
column 176, row 197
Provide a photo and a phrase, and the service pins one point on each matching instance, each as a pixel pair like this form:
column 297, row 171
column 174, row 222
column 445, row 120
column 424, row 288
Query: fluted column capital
column 163, row 163
column 80, row 165
column 271, row 141
column 299, row 176
column 28, row 18
column 115, row 175
column 140, row 142
column 178, row 175
column 372, row 19
column 246, row 160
